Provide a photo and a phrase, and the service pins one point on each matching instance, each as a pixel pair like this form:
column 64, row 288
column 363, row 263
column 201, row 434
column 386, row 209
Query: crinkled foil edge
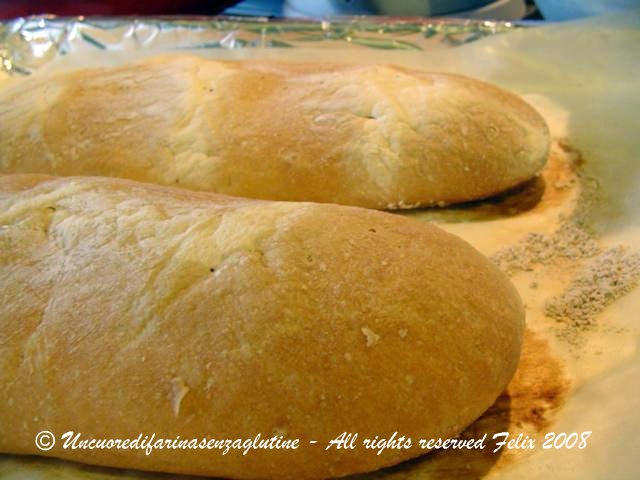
column 27, row 44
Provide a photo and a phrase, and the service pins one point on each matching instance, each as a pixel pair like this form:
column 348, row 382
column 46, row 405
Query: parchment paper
column 584, row 77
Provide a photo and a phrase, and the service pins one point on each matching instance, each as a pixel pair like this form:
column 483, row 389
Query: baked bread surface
column 373, row 136
column 129, row 308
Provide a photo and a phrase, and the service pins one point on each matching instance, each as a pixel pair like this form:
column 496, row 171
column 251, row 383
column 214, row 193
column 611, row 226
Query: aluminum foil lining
column 27, row 44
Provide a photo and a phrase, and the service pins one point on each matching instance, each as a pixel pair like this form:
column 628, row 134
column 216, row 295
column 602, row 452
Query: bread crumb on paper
column 570, row 241
column 607, row 278
column 596, row 274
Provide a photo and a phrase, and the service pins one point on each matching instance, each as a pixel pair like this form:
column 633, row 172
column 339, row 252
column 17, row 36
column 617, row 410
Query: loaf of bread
column 129, row 309
column 372, row 136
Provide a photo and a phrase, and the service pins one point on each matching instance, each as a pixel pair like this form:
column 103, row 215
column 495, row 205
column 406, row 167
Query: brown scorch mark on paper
column 555, row 185
column 539, row 386
column 537, row 391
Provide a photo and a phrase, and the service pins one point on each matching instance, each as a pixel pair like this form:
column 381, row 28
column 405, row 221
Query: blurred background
column 554, row 10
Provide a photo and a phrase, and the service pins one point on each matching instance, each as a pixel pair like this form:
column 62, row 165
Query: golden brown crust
column 129, row 308
column 371, row 136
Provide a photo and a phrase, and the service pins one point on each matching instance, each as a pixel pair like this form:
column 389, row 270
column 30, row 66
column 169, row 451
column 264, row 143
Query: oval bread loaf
column 132, row 309
column 372, row 136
